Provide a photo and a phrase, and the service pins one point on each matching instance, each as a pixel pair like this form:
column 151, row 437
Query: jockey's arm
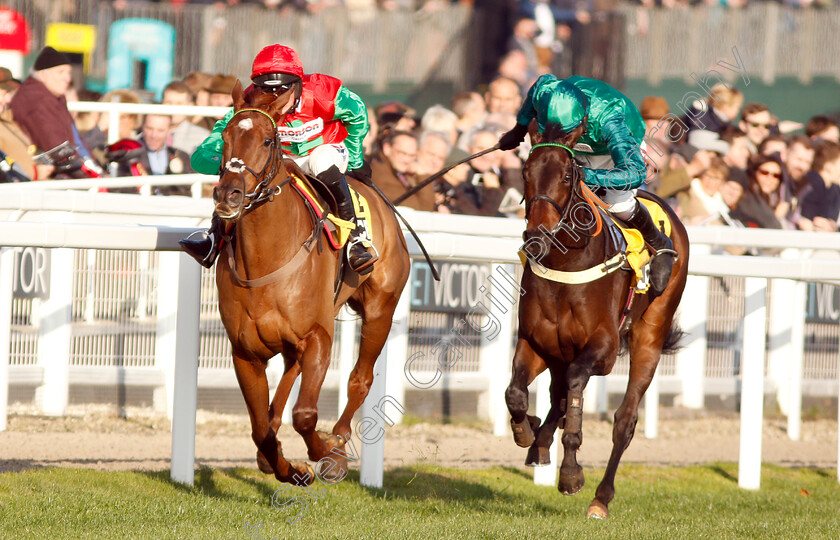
column 351, row 110
column 207, row 158
column 629, row 171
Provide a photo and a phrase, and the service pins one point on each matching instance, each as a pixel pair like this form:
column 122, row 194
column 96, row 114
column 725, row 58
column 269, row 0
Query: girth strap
column 283, row 272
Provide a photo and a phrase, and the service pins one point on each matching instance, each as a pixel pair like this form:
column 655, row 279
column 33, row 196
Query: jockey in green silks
column 611, row 150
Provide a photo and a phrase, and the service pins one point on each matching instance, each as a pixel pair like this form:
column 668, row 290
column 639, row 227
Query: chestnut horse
column 574, row 330
column 276, row 290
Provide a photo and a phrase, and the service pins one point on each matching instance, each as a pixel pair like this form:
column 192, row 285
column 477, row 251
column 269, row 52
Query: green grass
column 421, row 502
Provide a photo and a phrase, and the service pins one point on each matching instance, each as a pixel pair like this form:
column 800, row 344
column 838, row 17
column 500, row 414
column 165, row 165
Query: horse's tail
column 672, row 340
column 672, row 343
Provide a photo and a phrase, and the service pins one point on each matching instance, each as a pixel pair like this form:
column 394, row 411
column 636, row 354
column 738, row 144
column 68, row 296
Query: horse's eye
column 267, row 142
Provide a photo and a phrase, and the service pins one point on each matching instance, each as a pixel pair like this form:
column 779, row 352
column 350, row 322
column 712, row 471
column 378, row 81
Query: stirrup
column 365, row 267
column 199, row 250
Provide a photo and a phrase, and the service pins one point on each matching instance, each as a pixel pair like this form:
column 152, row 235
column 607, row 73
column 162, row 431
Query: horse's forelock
column 554, row 133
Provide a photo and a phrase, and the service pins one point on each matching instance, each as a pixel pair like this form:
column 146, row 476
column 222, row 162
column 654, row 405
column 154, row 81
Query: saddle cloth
column 637, row 253
column 336, row 229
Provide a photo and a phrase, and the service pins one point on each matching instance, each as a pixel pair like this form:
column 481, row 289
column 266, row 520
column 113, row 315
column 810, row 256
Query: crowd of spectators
column 719, row 161
column 727, row 162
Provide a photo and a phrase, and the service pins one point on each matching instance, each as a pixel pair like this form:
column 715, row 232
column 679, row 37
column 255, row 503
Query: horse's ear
column 283, row 104
column 237, row 95
column 572, row 138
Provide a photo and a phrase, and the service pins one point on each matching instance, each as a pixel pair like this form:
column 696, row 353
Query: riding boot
column 662, row 259
column 358, row 257
column 203, row 246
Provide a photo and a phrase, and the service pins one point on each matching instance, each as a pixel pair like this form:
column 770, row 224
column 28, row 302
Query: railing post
column 797, row 353
column 349, row 325
column 370, row 429
column 497, row 349
column 652, row 408
column 398, row 352
column 54, row 335
column 546, row 475
column 691, row 359
column 752, row 383
column 7, row 263
column 180, row 342
column 595, row 395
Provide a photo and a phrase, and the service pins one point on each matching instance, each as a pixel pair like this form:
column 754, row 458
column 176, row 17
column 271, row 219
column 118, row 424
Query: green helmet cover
column 565, row 104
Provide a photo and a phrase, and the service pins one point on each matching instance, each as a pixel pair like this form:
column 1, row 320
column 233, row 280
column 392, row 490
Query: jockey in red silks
column 322, row 133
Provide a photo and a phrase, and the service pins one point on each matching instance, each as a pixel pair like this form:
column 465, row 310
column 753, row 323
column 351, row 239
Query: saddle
column 625, row 251
column 322, row 207
column 630, row 241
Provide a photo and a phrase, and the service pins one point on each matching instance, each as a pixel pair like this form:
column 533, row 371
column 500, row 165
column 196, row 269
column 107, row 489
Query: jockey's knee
column 622, row 203
column 326, row 156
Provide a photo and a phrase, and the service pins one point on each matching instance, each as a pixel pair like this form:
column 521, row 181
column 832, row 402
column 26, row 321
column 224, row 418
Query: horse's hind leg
column 377, row 315
column 281, row 396
column 275, row 410
column 526, row 366
column 254, row 387
column 314, row 360
column 645, row 347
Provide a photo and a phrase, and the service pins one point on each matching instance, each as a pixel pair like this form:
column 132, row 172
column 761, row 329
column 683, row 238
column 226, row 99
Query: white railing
column 447, row 237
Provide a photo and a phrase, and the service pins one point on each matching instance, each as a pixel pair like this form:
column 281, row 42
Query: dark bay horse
column 276, row 295
column 575, row 330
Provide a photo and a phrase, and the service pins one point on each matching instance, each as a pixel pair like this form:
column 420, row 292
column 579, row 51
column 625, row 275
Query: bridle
column 262, row 191
column 576, row 179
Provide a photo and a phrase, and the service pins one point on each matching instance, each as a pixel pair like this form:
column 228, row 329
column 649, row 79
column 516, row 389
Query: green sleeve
column 629, row 171
column 207, row 158
column 351, row 110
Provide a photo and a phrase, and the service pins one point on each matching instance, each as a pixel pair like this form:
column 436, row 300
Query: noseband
column 565, row 212
column 262, row 192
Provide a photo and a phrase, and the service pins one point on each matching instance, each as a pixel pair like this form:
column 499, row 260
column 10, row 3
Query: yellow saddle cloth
column 637, row 254
column 336, row 229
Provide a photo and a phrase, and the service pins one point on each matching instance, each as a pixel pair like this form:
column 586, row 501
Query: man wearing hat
column 14, row 144
column 39, row 106
column 610, row 151
column 322, row 132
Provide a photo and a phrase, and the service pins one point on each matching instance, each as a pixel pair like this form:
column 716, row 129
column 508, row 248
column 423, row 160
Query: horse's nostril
column 234, row 197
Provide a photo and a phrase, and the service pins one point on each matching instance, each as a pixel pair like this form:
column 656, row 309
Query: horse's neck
column 578, row 249
column 272, row 233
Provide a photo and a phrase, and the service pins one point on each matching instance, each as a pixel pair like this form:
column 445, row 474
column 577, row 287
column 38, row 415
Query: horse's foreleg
column 644, row 357
column 578, row 373
column 314, row 360
column 254, row 387
column 538, row 454
column 526, row 366
column 281, row 395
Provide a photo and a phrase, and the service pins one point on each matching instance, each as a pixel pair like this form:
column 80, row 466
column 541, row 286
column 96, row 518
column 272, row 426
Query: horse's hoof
column 597, row 510
column 571, row 484
column 523, row 433
column 332, row 471
column 263, row 465
column 331, row 440
column 303, row 475
column 538, row 456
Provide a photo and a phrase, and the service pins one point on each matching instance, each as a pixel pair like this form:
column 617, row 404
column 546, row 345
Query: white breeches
column 322, row 158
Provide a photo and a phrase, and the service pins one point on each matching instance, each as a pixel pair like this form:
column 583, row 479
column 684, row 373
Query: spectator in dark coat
column 821, row 205
column 40, row 108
